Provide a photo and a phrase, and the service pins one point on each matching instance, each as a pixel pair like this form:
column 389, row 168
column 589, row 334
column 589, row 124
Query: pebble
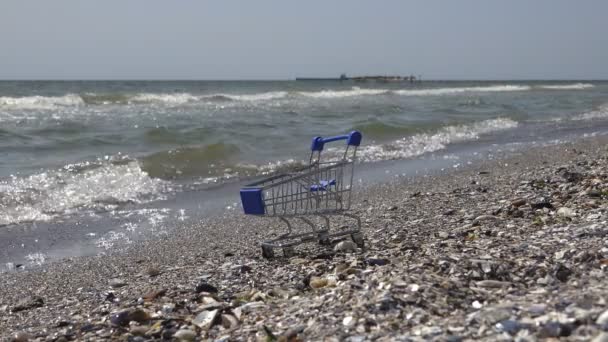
column 205, row 319
column 602, row 319
column 205, row 287
column 21, row 337
column 28, row 303
column 185, row 335
column 346, row 247
column 565, row 212
column 317, row 283
column 117, row 282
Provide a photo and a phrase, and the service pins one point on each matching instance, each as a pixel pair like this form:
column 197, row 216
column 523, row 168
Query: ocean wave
column 41, row 102
column 102, row 185
column 171, row 99
column 458, row 90
column 574, row 86
column 354, row 91
column 419, row 144
column 272, row 95
column 208, row 160
column 600, row 113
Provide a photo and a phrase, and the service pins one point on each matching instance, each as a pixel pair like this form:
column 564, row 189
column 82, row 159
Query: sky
column 283, row 39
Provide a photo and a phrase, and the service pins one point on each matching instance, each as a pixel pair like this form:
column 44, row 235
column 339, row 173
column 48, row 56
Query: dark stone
column 542, row 203
column 28, row 303
column 510, row 326
column 124, row 317
column 205, row 287
column 378, row 262
column 168, row 333
column 89, row 327
column 120, row 318
column 571, row 176
column 555, row 329
column 562, row 273
column 244, row 269
column 449, row 212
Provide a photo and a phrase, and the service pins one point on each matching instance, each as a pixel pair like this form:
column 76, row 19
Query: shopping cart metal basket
column 321, row 189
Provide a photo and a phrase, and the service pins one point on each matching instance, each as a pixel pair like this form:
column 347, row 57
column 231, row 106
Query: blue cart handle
column 352, row 139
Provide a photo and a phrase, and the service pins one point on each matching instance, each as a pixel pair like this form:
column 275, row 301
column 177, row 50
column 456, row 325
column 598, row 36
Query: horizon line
column 290, row 79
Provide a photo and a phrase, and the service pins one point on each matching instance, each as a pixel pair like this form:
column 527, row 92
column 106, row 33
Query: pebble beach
column 507, row 249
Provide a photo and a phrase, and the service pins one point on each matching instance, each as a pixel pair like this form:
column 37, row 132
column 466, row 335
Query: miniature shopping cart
column 321, row 189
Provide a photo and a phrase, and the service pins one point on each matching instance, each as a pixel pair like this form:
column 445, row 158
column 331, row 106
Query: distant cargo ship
column 343, row 77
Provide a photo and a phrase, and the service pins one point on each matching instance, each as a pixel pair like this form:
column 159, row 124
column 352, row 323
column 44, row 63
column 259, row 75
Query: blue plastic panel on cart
column 253, row 203
column 323, row 186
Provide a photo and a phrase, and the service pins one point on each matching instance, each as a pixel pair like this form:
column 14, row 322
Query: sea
column 90, row 166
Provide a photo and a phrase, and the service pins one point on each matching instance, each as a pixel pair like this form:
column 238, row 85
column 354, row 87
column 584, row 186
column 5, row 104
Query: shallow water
column 101, row 162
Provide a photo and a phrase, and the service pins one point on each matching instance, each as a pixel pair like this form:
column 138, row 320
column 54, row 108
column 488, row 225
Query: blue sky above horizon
column 154, row 39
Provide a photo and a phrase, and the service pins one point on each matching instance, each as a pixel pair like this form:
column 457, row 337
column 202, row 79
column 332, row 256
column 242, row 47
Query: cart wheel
column 324, row 239
column 358, row 239
column 288, row 252
column 267, row 252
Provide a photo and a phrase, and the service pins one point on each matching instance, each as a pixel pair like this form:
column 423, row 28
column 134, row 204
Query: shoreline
column 481, row 252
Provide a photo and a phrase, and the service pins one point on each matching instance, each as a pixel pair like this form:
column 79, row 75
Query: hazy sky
column 154, row 39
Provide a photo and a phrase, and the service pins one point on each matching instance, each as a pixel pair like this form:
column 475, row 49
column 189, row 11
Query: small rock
column 541, row 204
column 378, row 262
column 185, row 335
column 594, row 193
column 123, row 318
column 603, row 337
column 449, row 212
column 153, row 272
column 565, row 212
column 139, row 330
column 150, row 296
column 316, row 282
column 348, row 321
column 602, row 319
column 28, row 303
column 510, row 326
column 518, row 202
column 205, row 287
column 537, row 309
column 484, row 218
column 492, row 283
column 117, row 282
column 346, row 246
column 21, row 337
column 555, row 329
column 229, row 321
column 206, row 319
column 562, row 273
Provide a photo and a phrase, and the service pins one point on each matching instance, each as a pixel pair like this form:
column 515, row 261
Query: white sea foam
column 458, row 90
column 171, row 99
column 419, row 144
column 574, row 86
column 354, row 91
column 40, row 102
column 43, row 196
column 600, row 113
column 273, row 95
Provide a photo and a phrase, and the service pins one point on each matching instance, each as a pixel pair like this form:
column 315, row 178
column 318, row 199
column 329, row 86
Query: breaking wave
column 574, row 86
column 176, row 99
column 419, row 144
column 41, row 102
column 449, row 91
column 600, row 113
column 98, row 186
